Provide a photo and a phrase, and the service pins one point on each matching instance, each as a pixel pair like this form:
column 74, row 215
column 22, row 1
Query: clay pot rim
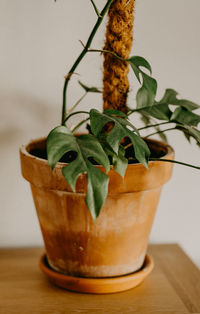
column 25, row 148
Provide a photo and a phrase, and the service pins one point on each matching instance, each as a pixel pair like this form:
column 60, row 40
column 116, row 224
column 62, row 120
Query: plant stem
column 79, row 125
column 170, row 129
column 74, row 113
column 109, row 52
column 153, row 125
column 95, row 8
column 134, row 110
column 76, row 104
column 137, row 109
column 175, row 162
column 80, row 57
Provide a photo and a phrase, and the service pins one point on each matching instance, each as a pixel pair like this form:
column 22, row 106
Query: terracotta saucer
column 97, row 285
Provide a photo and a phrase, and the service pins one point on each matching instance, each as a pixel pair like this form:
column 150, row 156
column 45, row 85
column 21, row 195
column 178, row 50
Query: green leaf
column 187, row 136
column 184, row 116
column 61, row 141
column 142, row 97
column 97, row 190
column 127, row 123
column 56, row 144
column 146, row 94
column 159, row 111
column 141, row 149
column 115, row 113
column 146, row 119
column 89, row 89
column 170, row 97
column 190, row 131
column 136, row 62
column 187, row 104
column 118, row 132
column 162, row 135
column 97, row 123
column 119, row 161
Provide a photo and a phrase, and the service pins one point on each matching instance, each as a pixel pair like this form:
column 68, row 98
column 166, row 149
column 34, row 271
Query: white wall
column 39, row 41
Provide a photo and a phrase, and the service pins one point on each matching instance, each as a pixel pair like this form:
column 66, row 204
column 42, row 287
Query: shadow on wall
column 23, row 117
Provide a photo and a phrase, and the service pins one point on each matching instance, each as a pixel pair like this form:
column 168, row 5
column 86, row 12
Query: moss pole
column 119, row 38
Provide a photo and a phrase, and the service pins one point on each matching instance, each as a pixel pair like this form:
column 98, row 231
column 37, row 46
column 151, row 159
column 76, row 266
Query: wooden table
column 172, row 287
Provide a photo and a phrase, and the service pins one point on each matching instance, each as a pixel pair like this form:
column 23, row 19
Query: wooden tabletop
column 172, row 287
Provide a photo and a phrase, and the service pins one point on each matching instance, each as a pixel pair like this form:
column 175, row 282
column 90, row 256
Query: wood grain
column 183, row 275
column 172, row 288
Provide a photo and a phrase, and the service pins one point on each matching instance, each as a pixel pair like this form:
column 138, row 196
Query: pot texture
column 116, row 244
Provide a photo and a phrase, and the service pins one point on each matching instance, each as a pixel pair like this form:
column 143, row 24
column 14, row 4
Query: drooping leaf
column 162, row 107
column 147, row 120
column 159, row 111
column 146, row 94
column 136, row 62
column 118, row 132
column 187, row 136
column 142, row 97
column 145, row 117
column 141, row 149
column 56, row 144
column 190, row 131
column 170, row 97
column 97, row 190
column 187, row 104
column 126, row 123
column 118, row 160
column 161, row 134
column 184, row 116
column 61, row 141
column 89, row 89
column 114, row 112
column 98, row 120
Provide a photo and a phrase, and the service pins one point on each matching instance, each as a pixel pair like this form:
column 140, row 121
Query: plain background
column 39, row 42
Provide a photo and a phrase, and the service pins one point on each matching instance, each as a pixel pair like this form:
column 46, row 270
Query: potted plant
column 96, row 193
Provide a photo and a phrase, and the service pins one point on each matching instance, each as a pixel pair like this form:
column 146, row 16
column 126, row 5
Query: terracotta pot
column 117, row 243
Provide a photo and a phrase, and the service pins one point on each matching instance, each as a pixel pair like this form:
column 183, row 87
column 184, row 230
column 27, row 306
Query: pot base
column 97, row 285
